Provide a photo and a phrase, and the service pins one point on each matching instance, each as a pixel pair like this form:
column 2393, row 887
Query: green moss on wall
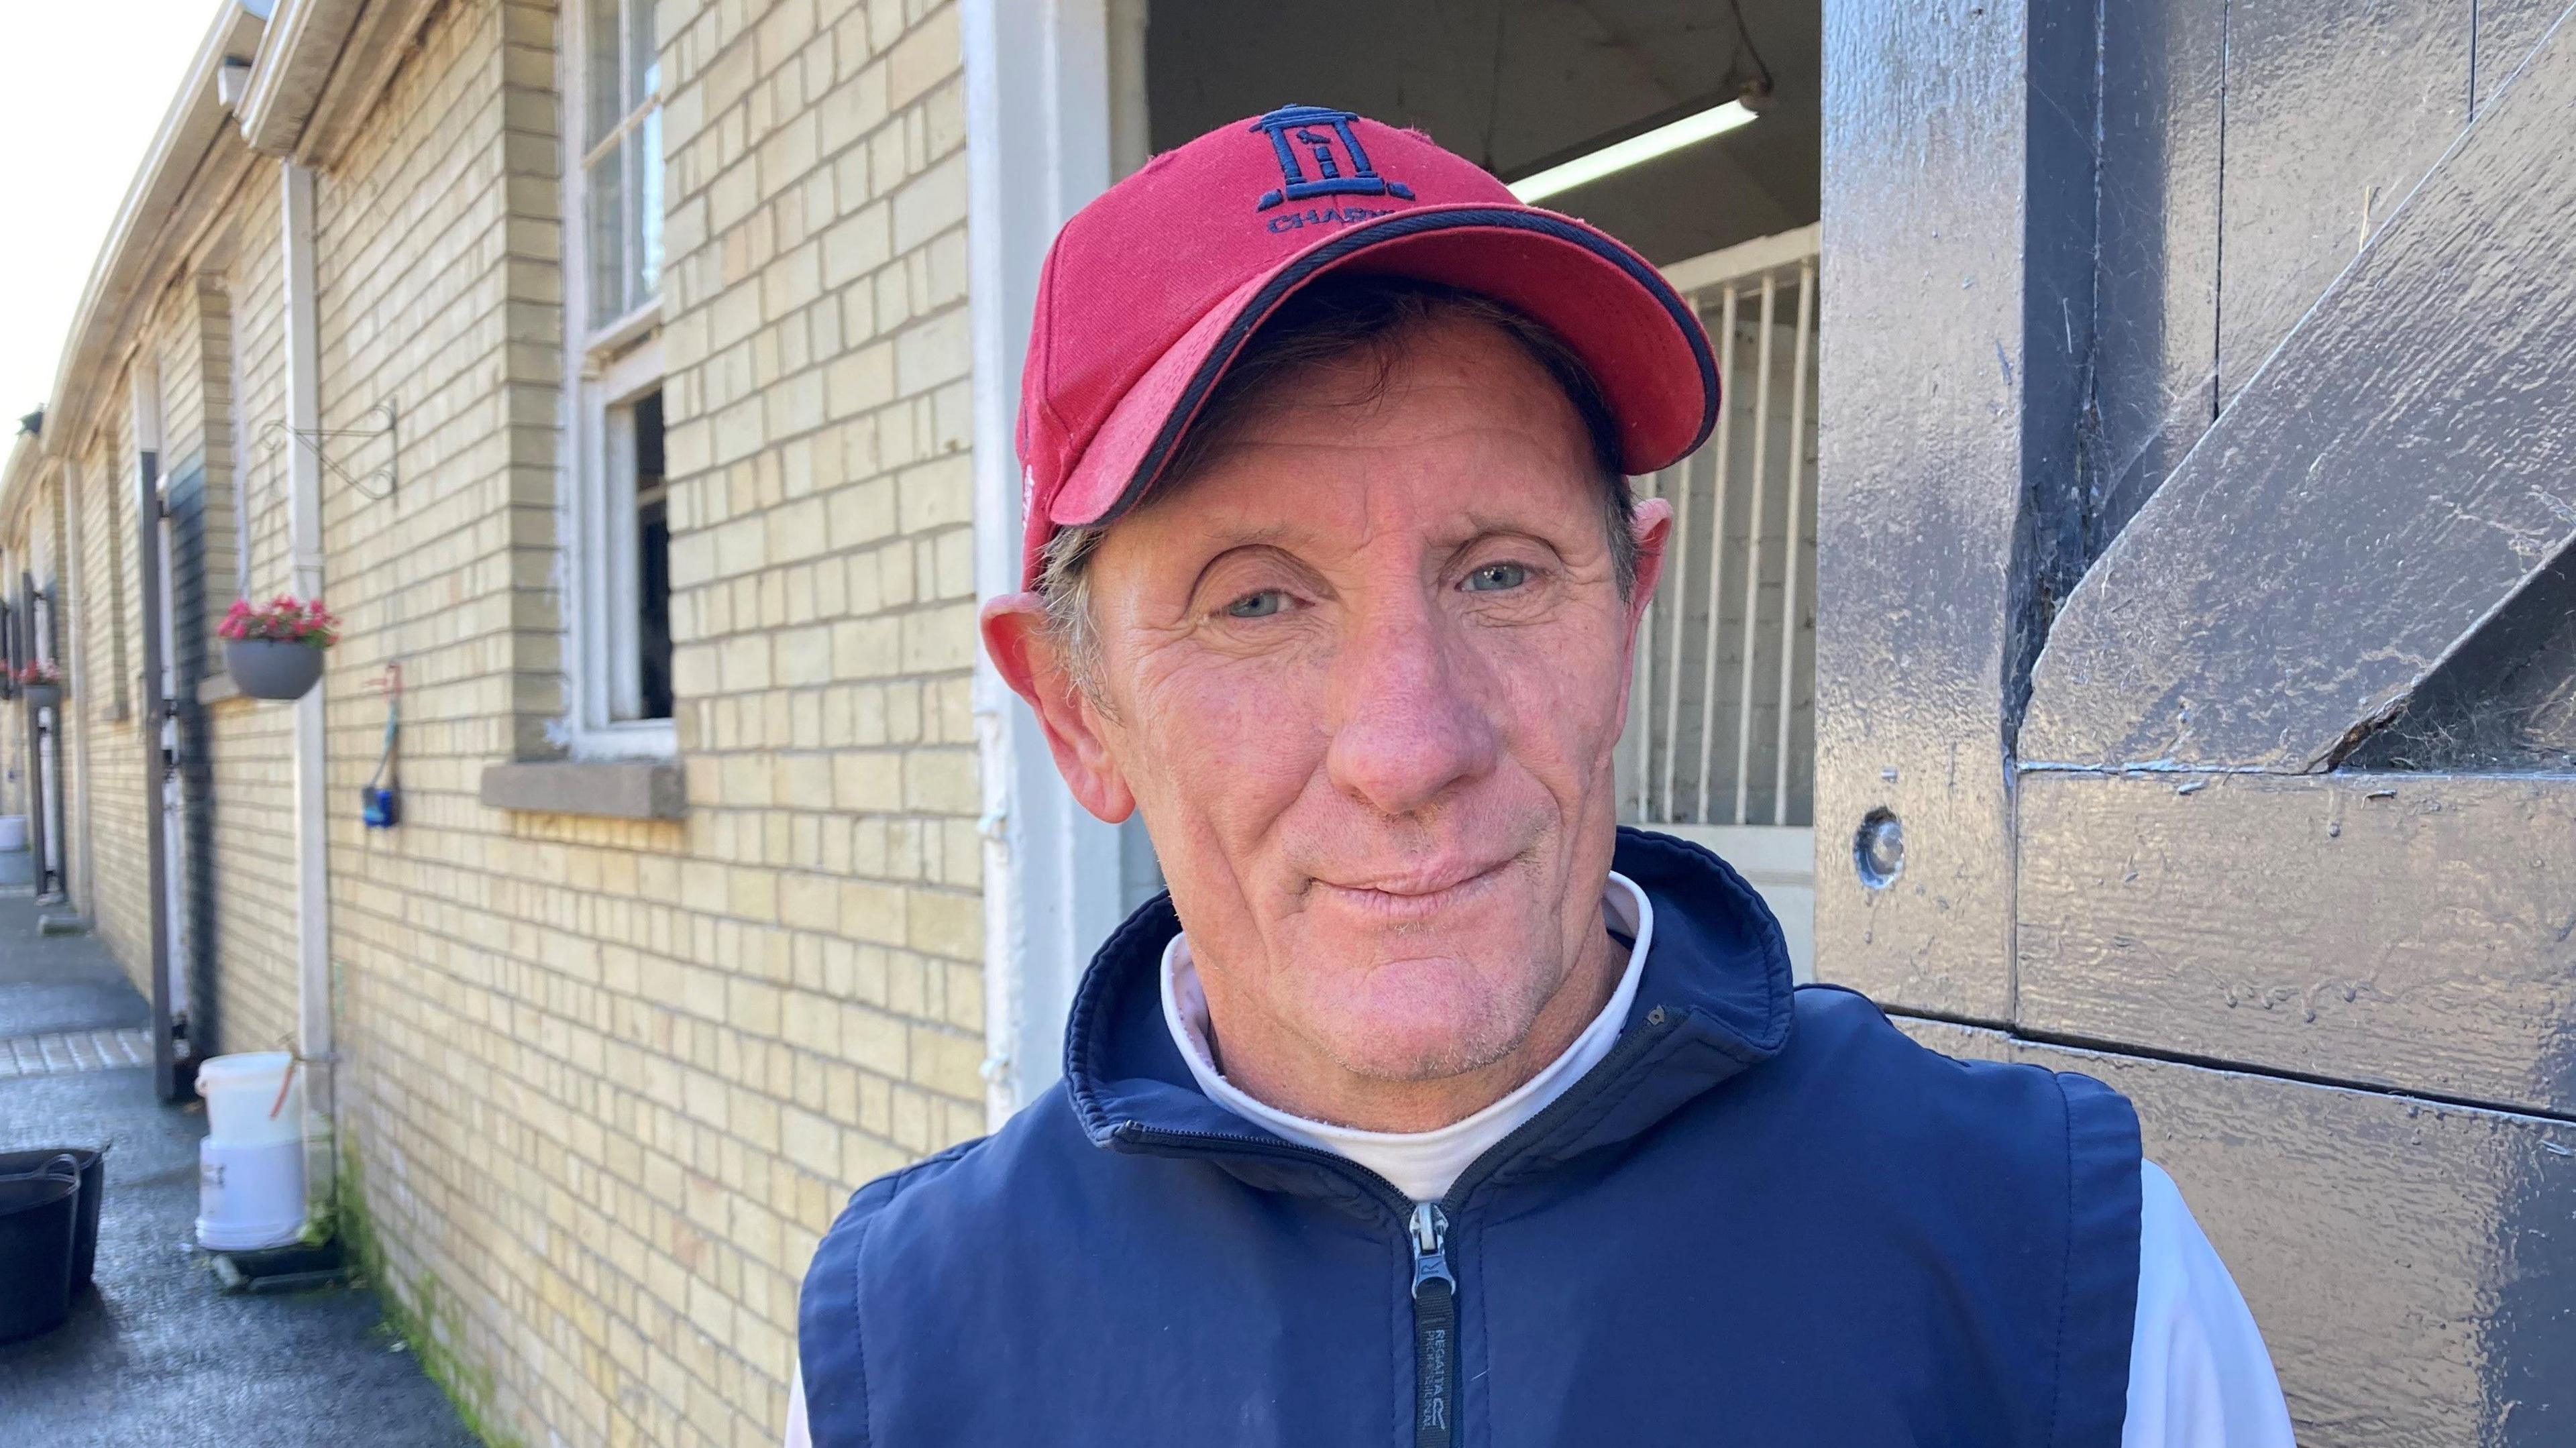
column 427, row 1322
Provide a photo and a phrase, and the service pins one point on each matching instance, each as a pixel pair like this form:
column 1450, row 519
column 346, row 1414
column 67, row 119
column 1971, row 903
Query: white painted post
column 1037, row 147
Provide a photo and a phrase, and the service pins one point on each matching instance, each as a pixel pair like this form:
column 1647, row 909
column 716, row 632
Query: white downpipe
column 314, row 1048
column 1037, row 148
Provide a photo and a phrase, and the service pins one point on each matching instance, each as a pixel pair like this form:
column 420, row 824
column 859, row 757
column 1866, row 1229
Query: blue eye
column 1497, row 577
column 1264, row 604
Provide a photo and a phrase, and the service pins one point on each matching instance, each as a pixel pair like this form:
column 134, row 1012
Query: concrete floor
column 156, row 1356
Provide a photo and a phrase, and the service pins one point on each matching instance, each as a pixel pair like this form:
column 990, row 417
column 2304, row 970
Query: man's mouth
column 1415, row 893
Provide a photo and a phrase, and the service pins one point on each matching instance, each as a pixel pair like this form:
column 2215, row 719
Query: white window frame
column 573, row 82
column 607, row 369
column 606, row 663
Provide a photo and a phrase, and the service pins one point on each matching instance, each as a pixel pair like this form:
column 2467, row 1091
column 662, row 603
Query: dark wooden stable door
column 2197, row 634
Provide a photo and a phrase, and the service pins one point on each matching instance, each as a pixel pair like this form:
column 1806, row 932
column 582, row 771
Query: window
column 621, row 159
column 102, row 473
column 639, row 549
column 618, row 520
column 622, row 552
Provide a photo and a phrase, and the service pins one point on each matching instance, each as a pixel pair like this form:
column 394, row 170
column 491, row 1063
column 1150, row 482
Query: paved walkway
column 157, row 1357
column 74, row 1051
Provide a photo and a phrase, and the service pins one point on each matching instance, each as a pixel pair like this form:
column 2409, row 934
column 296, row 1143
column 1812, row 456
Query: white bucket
column 249, row 1197
column 13, row 832
column 242, row 1105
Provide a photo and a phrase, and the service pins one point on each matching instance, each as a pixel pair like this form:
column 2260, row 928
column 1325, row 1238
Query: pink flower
column 284, row 619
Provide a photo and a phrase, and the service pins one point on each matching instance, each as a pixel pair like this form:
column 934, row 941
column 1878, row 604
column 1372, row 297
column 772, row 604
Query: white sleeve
column 798, row 1434
column 2199, row 1375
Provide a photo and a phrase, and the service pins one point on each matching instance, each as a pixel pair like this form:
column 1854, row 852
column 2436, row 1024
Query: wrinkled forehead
column 1403, row 427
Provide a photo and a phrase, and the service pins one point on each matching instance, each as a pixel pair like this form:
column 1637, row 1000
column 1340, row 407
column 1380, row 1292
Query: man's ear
column 1652, row 526
column 1032, row 662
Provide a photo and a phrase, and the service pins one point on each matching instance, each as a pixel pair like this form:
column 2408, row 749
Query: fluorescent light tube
column 1634, row 151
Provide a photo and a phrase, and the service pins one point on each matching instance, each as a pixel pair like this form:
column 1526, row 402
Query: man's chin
column 1424, row 1020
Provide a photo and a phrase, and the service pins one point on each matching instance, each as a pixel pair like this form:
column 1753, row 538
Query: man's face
column 1364, row 674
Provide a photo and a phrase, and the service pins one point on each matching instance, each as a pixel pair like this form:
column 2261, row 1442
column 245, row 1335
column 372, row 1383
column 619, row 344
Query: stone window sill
column 626, row 789
column 215, row 688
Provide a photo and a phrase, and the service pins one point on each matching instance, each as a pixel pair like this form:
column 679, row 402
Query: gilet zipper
column 1435, row 1329
column 1426, row 1224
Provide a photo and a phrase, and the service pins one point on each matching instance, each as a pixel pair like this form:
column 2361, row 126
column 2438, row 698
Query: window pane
column 643, row 65
column 604, row 203
column 604, row 74
column 646, row 144
column 652, row 563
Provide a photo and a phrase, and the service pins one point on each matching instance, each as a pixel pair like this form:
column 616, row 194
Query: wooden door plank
column 1957, row 275
column 2330, row 122
column 2155, row 359
column 2410, row 1263
column 2407, row 930
column 2398, row 470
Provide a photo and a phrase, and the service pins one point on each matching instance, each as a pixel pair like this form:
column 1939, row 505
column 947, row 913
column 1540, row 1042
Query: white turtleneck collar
column 1421, row 1164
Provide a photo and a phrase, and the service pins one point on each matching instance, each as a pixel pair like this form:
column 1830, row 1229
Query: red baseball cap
column 1151, row 290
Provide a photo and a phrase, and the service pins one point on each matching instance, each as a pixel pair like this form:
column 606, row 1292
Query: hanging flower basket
column 41, row 683
column 275, row 651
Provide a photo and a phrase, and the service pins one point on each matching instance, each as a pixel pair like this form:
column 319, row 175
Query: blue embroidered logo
column 1291, row 127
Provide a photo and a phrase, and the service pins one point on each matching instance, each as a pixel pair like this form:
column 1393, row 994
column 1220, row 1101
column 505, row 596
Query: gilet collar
column 1714, row 1000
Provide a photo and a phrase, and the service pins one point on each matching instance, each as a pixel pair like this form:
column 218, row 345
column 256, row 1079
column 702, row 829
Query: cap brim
column 1640, row 338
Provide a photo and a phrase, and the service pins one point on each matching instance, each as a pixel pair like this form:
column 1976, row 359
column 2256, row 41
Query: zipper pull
column 1430, row 1246
column 1435, row 1328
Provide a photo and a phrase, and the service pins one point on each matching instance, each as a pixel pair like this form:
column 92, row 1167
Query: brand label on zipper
column 1435, row 1328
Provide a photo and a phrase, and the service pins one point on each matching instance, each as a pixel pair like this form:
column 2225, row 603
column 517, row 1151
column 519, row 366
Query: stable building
column 2119, row 622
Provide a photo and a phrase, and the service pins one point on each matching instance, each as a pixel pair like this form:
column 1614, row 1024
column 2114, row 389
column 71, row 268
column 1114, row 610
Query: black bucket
column 93, row 1187
column 38, row 1213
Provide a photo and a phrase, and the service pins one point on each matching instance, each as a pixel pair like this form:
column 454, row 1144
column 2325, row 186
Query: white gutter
column 1037, row 148
column 314, row 1047
column 294, row 64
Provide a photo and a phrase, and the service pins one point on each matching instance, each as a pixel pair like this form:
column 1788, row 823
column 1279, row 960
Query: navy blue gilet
column 1766, row 1218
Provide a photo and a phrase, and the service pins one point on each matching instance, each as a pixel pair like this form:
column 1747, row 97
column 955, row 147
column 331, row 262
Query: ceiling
column 1512, row 83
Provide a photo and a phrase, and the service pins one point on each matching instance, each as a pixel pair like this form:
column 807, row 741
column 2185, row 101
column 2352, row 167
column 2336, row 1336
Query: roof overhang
column 294, row 67
column 26, row 466
column 275, row 67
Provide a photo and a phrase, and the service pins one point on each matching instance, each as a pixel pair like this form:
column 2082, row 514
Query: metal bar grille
column 1721, row 724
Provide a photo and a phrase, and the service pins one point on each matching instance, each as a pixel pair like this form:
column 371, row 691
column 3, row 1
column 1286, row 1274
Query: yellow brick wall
column 80, row 717
column 183, row 343
column 824, row 612
column 610, row 1079
column 252, row 740
column 605, row 1082
column 455, row 974
column 53, row 548
column 119, row 886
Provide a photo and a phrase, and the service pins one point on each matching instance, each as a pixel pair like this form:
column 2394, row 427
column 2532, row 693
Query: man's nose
column 1411, row 728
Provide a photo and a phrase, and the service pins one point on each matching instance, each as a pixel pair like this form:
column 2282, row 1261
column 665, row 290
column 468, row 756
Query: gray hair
column 1328, row 321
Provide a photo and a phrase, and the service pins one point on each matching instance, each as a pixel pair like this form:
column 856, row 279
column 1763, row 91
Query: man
column 1432, row 1108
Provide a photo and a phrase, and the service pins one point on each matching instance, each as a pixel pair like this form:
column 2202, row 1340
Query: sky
column 88, row 87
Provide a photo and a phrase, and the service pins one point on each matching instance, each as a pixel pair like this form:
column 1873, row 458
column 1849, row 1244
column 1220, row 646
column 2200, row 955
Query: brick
column 609, row 1077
